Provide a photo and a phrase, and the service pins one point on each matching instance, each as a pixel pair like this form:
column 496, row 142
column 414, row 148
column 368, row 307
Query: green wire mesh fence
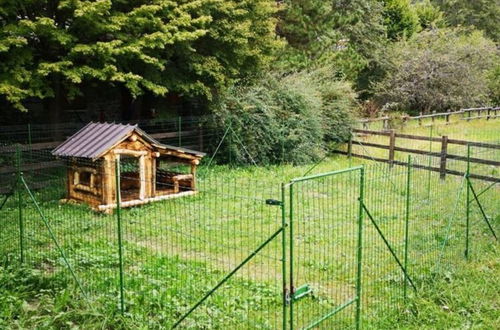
column 253, row 246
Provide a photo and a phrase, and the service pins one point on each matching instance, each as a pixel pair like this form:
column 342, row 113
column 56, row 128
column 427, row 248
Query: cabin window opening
column 173, row 176
column 85, row 178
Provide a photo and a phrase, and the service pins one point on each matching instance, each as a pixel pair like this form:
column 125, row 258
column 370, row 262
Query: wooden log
column 136, row 202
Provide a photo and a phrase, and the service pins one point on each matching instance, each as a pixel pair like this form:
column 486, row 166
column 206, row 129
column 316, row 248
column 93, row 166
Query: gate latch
column 274, row 202
column 301, row 292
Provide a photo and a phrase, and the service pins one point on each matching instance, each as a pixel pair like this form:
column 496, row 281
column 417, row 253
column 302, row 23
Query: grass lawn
column 176, row 250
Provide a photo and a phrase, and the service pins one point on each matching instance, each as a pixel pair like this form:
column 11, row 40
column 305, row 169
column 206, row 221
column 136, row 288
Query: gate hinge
column 274, row 202
column 287, row 296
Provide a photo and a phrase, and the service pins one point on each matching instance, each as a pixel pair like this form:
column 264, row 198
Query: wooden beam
column 135, row 153
column 136, row 202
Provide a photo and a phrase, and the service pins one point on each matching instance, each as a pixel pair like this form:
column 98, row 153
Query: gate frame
column 359, row 250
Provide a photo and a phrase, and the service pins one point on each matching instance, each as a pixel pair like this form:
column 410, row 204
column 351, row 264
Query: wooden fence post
column 444, row 152
column 386, row 123
column 420, row 118
column 433, row 118
column 448, row 116
column 392, row 144
column 488, row 114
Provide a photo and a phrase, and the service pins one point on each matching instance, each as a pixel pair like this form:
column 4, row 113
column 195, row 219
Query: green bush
column 437, row 70
column 289, row 118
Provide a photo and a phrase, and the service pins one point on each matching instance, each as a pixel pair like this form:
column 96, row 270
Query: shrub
column 437, row 70
column 283, row 118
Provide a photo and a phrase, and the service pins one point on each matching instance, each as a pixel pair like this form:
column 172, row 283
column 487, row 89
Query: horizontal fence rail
column 465, row 114
column 443, row 155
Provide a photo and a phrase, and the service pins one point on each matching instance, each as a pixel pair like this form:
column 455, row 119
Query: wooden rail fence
column 443, row 155
column 466, row 114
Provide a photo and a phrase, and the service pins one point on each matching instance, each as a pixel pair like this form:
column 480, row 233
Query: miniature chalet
column 145, row 166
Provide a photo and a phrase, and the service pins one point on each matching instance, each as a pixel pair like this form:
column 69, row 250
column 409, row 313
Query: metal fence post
column 407, row 218
column 467, row 204
column 283, row 254
column 119, row 228
column 20, row 204
column 359, row 254
column 429, row 164
column 292, row 289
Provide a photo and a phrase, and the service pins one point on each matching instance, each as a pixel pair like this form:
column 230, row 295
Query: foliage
column 494, row 83
column 437, row 70
column 338, row 106
column 340, row 34
column 400, row 18
column 482, row 14
column 277, row 117
column 160, row 46
column 429, row 16
column 285, row 118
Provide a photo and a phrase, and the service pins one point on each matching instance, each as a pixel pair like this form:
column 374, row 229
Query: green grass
column 176, row 250
column 476, row 130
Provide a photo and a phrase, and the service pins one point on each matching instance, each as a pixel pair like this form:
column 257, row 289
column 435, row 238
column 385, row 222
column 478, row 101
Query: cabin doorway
column 132, row 179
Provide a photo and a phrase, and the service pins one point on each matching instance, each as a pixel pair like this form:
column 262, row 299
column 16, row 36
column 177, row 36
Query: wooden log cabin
column 149, row 170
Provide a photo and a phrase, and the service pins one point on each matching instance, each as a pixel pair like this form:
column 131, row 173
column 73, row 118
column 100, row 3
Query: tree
column 482, row 14
column 437, row 70
column 50, row 49
column 341, row 34
column 400, row 18
column 429, row 16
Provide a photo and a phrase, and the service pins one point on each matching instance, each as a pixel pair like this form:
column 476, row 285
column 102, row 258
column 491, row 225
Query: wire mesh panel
column 325, row 231
column 384, row 237
column 208, row 259
column 10, row 247
column 208, row 247
column 63, row 238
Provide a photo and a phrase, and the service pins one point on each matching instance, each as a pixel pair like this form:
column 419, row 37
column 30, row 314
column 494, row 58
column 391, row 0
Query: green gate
column 325, row 223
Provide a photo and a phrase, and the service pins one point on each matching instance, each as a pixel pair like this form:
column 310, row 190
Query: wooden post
column 488, row 114
column 433, row 118
column 386, row 123
column 392, row 144
column 193, row 172
column 448, row 117
column 420, row 118
column 444, row 152
column 349, row 148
